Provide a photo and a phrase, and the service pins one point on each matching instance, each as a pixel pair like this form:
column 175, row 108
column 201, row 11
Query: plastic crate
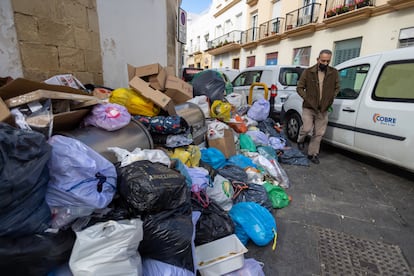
column 220, row 256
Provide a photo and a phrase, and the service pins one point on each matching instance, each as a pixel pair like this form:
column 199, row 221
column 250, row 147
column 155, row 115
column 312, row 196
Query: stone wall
column 58, row 37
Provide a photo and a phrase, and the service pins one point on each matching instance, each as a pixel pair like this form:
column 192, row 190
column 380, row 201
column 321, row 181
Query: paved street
column 350, row 215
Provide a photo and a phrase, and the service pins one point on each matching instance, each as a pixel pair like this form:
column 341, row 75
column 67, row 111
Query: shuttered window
column 346, row 49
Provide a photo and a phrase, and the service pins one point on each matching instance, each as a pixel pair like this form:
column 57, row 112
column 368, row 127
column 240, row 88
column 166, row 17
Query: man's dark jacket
column 308, row 88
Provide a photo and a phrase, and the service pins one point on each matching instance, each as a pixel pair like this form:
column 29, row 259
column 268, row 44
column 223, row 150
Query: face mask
column 323, row 67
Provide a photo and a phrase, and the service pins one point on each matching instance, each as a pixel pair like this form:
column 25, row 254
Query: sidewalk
column 346, row 217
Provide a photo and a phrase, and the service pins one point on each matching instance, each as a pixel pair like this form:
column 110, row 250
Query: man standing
column 318, row 86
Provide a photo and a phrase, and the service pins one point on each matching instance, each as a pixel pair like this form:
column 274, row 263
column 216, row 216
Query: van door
column 386, row 114
column 342, row 119
column 241, row 84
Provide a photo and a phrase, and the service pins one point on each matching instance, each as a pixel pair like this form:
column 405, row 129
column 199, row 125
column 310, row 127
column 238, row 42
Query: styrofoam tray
column 220, row 256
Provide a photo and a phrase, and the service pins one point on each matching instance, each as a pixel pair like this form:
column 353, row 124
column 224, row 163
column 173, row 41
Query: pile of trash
column 78, row 200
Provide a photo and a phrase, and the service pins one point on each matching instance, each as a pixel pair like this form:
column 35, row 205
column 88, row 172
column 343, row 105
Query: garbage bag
column 168, row 237
column 255, row 221
column 134, row 102
column 214, row 157
column 79, row 176
column 259, row 110
column 247, row 143
column 35, row 254
column 221, row 192
column 221, row 110
column 151, row 187
column 189, row 155
column 173, row 124
column 277, row 195
column 23, row 181
column 108, row 248
column 209, row 83
column 251, row 267
column 254, row 193
column 258, row 137
column 108, row 116
column 233, row 173
column 293, row 156
column 241, row 161
column 153, row 267
column 214, row 223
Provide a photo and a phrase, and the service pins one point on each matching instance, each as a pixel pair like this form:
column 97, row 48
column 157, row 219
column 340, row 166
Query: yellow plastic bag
column 134, row 102
column 220, row 110
column 189, row 155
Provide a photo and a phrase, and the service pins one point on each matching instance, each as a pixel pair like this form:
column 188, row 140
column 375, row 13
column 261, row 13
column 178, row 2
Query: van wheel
column 293, row 122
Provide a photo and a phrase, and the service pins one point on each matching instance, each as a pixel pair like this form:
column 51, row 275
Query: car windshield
column 188, row 73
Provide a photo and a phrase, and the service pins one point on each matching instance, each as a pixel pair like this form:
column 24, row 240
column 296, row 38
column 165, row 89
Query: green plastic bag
column 277, row 195
column 246, row 143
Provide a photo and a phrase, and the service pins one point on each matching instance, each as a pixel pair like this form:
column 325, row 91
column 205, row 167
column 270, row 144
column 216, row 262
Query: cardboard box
column 225, row 144
column 154, row 95
column 178, row 90
column 155, row 74
column 21, row 87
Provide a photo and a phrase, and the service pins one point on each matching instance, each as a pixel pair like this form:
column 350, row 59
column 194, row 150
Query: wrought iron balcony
column 302, row 16
column 338, row 7
column 225, row 43
column 271, row 27
column 250, row 35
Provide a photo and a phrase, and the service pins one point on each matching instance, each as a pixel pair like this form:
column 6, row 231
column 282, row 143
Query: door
column 345, row 107
column 241, row 84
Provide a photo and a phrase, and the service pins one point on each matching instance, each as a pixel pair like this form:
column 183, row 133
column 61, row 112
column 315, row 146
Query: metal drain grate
column 342, row 254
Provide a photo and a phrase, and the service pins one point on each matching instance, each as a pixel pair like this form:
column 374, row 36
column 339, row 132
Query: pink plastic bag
column 108, row 116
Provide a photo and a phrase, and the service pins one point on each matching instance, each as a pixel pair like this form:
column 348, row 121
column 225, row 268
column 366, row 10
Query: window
column 301, row 56
column 395, row 82
column 254, row 27
column 219, row 31
column 251, row 61
column 227, row 26
column 351, row 80
column 290, row 76
column 247, row 78
column 271, row 58
column 346, row 49
column 406, row 38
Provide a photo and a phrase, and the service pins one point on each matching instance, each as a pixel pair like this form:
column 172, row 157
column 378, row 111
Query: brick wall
column 57, row 37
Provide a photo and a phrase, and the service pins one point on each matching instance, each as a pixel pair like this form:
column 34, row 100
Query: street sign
column 182, row 26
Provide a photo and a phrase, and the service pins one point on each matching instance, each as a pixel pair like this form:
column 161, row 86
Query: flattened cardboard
column 46, row 94
column 154, row 95
column 20, row 86
column 178, row 90
column 225, row 144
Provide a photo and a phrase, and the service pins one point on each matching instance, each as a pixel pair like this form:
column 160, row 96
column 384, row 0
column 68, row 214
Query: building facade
column 268, row 32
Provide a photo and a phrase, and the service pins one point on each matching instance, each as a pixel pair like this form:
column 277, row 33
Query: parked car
column 187, row 73
column 281, row 81
column 373, row 111
column 230, row 73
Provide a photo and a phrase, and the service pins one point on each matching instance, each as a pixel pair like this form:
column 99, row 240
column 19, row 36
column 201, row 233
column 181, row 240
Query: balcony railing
column 250, row 35
column 303, row 16
column 337, row 7
column 231, row 37
column 270, row 27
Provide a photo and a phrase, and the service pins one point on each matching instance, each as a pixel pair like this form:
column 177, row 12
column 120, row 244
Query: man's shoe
column 314, row 158
column 301, row 146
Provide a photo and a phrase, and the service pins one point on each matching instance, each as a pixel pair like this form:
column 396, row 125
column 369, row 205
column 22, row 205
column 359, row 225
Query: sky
column 195, row 6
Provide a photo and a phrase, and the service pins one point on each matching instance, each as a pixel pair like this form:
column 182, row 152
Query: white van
column 281, row 81
column 374, row 110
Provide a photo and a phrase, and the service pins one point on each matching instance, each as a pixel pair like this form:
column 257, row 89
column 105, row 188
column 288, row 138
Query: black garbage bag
column 148, row 187
column 36, row 254
column 293, row 156
column 254, row 193
column 214, row 223
column 233, row 173
column 168, row 237
column 209, row 83
column 24, row 176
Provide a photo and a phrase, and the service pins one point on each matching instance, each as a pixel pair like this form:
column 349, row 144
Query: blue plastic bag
column 255, row 221
column 214, row 157
column 241, row 161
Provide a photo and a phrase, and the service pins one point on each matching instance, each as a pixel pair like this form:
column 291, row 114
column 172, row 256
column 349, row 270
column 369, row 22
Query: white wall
column 10, row 62
column 133, row 32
